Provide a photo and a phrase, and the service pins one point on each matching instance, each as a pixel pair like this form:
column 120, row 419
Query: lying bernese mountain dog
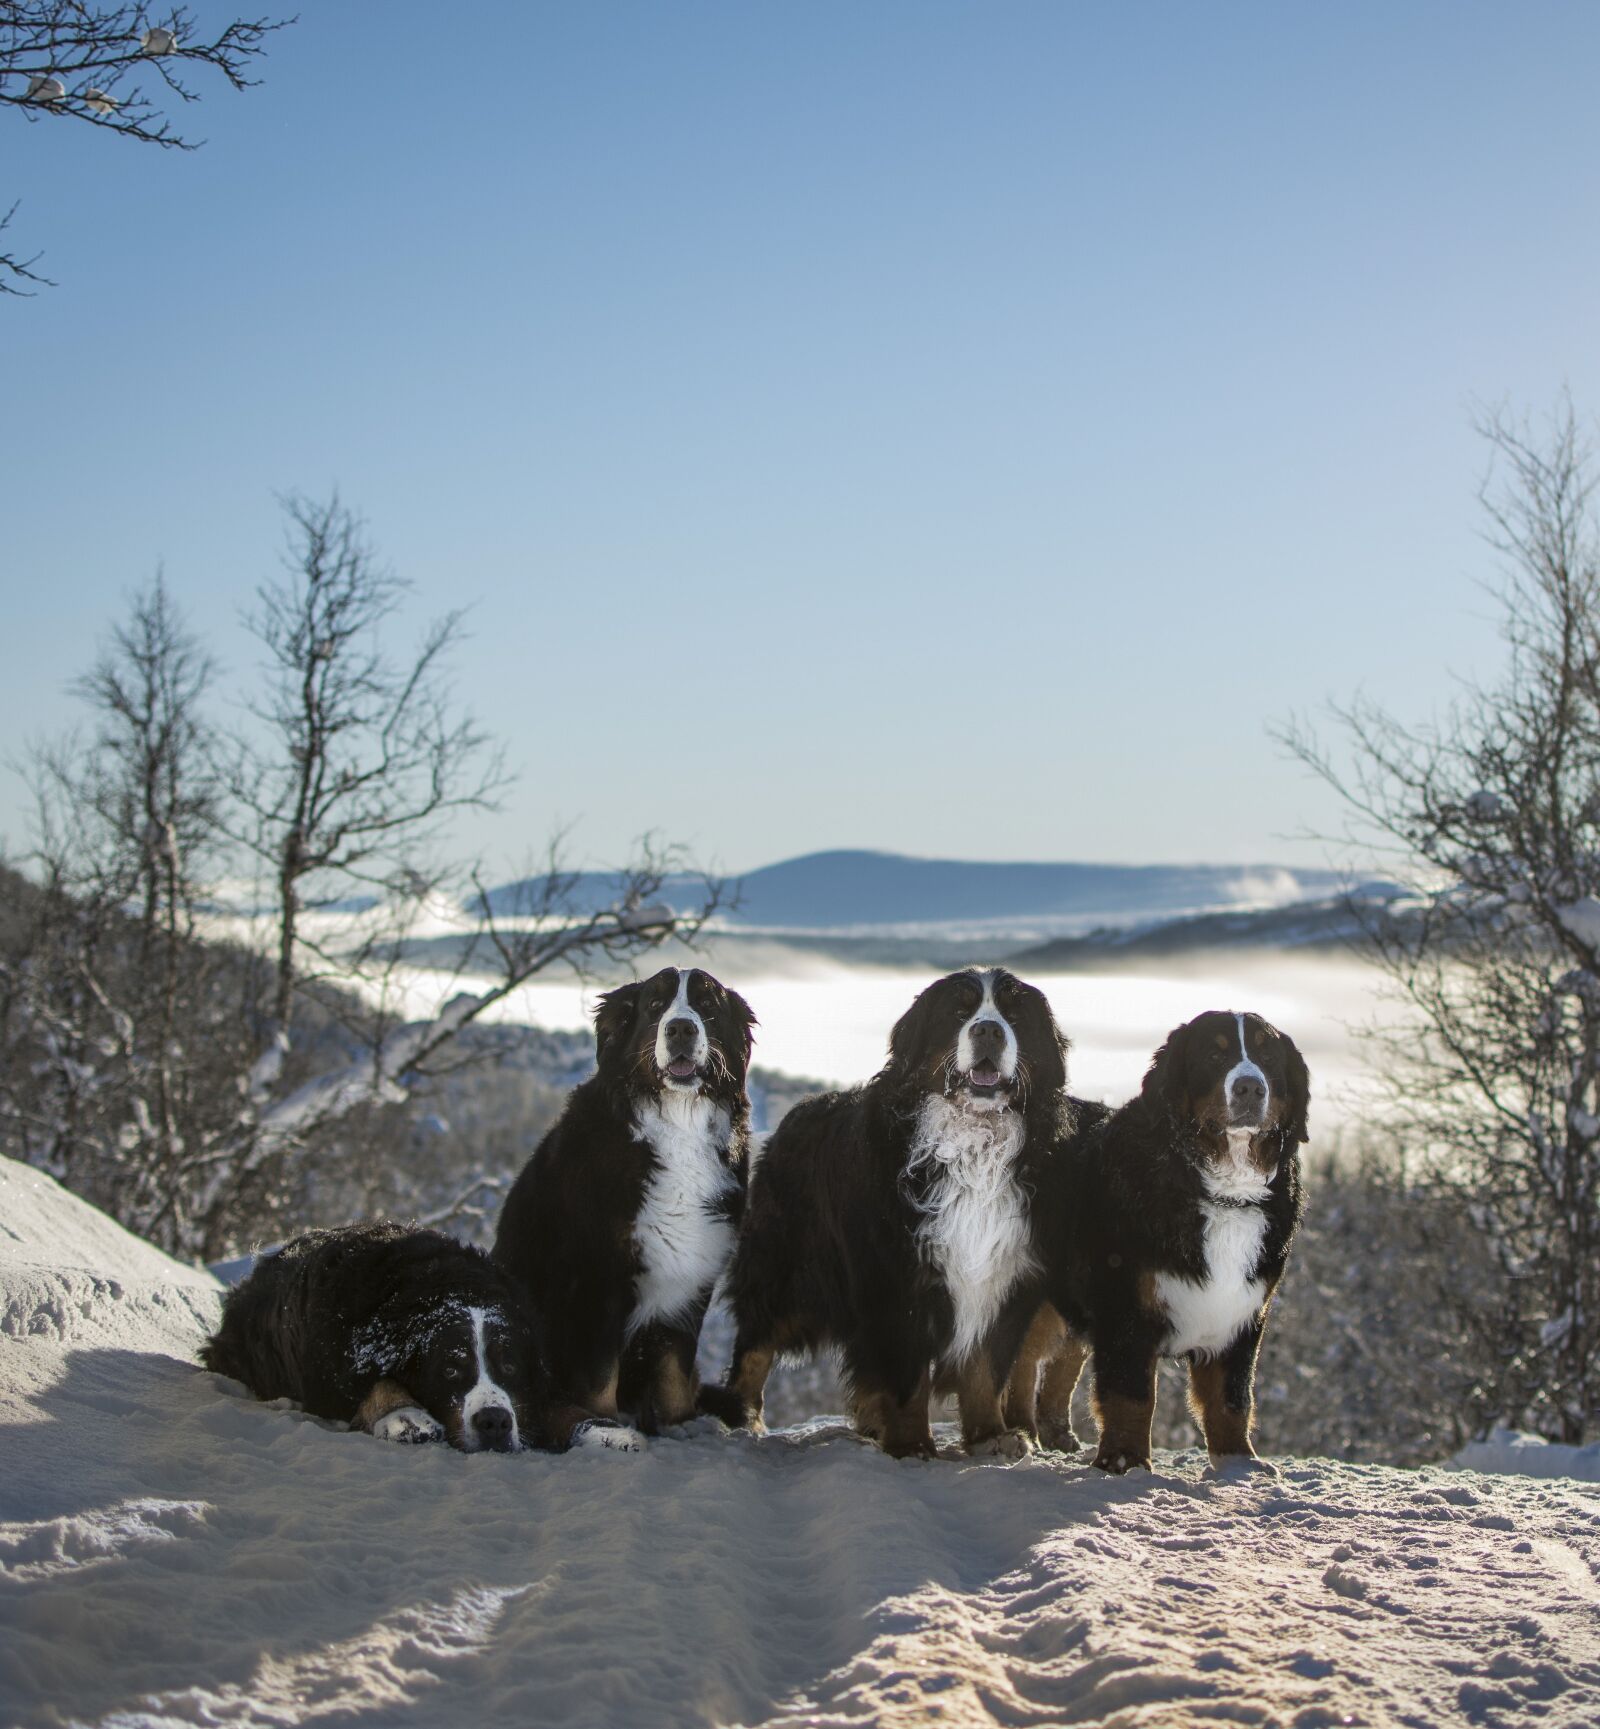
column 624, row 1218
column 893, row 1220
column 405, row 1333
column 1163, row 1230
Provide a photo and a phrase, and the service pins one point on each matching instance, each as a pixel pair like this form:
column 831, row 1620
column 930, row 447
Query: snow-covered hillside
column 173, row 1553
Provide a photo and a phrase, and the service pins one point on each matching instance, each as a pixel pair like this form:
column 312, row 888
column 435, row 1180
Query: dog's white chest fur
column 1207, row 1315
column 683, row 1241
column 974, row 1220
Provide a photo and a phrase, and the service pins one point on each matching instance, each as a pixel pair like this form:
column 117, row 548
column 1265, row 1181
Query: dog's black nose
column 1248, row 1093
column 493, row 1426
column 682, row 1032
column 988, row 1037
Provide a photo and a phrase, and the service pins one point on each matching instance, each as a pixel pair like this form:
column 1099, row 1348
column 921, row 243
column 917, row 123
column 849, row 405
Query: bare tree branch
column 1492, row 815
column 94, row 65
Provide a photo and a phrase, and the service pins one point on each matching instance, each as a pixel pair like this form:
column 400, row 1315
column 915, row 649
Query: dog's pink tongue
column 680, row 1068
column 985, row 1074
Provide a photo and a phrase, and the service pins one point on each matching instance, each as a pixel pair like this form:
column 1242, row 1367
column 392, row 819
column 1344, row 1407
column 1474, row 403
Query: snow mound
column 1509, row 1452
column 70, row 1274
column 174, row 1553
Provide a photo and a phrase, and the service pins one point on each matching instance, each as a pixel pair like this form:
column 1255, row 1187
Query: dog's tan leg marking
column 1055, row 1393
column 1039, row 1345
column 384, row 1397
column 675, row 1389
column 749, row 1383
column 984, row 1430
column 901, row 1430
column 561, row 1420
column 603, row 1401
column 1124, row 1430
column 1227, row 1431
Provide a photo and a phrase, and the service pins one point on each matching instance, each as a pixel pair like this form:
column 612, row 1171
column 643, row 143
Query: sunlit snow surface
column 174, row 1553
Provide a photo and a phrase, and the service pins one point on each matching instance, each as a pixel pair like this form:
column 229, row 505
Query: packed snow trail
column 172, row 1552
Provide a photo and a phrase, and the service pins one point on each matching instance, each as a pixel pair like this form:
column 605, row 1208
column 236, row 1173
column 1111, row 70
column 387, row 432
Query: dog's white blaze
column 681, row 1011
column 1208, row 1314
column 684, row 1243
column 975, row 1223
column 486, row 1392
column 987, row 1011
column 1245, row 1068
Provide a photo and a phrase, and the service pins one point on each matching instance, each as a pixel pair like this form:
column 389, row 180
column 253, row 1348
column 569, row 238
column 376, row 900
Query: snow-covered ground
column 1530, row 1456
column 173, row 1553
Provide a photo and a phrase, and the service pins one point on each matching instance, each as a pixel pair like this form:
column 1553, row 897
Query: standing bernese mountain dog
column 1163, row 1230
column 893, row 1220
column 624, row 1218
column 408, row 1334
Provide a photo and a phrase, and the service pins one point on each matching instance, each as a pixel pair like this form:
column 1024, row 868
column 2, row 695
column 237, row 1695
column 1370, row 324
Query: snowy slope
column 172, row 1553
column 73, row 1276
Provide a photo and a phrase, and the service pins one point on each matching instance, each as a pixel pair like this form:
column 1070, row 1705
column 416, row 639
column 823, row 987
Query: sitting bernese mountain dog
column 893, row 1220
column 624, row 1218
column 1163, row 1230
column 408, row 1334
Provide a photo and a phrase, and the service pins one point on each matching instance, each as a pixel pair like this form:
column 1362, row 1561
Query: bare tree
column 360, row 755
column 206, row 1093
column 1492, row 816
column 150, row 778
column 108, row 984
column 68, row 60
column 153, row 787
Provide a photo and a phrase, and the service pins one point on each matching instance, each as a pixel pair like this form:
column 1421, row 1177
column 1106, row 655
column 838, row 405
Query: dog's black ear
column 1164, row 1085
column 613, row 1018
column 909, row 1035
column 1296, row 1120
column 746, row 1017
column 1050, row 1071
column 1054, row 1075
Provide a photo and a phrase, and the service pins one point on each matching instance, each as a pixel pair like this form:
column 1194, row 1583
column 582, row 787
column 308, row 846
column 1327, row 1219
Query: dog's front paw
column 1242, row 1465
column 1059, row 1438
column 1008, row 1444
column 914, row 1447
column 410, row 1424
column 695, row 1428
column 605, row 1433
column 1116, row 1460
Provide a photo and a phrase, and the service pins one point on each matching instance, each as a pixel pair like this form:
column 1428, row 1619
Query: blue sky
column 949, row 428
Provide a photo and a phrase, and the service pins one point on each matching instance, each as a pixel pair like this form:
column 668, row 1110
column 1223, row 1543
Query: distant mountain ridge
column 849, row 892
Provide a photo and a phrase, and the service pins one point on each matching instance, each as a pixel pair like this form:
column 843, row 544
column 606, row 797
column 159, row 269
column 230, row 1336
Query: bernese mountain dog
column 408, row 1334
column 624, row 1218
column 893, row 1220
column 1163, row 1229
